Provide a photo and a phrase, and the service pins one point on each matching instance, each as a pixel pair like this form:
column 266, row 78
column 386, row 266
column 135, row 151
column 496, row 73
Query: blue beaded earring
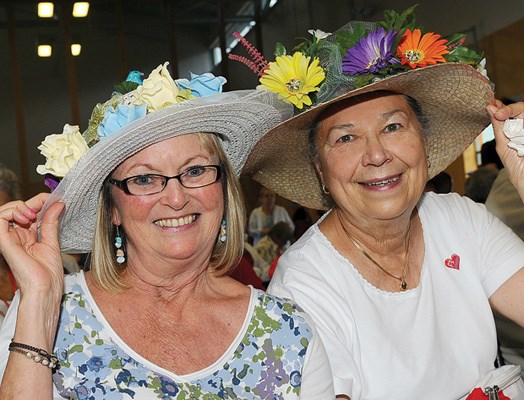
column 120, row 256
column 223, row 232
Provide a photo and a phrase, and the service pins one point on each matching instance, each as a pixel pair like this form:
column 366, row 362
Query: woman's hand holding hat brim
column 513, row 163
column 36, row 262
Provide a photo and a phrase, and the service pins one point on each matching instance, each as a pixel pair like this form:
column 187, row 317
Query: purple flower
column 371, row 53
column 51, row 181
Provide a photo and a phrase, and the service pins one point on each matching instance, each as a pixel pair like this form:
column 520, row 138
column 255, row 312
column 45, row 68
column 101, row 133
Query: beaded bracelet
column 37, row 355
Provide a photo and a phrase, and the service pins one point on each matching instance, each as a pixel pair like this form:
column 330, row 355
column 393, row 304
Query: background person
column 505, row 203
column 268, row 214
column 412, row 273
column 159, row 205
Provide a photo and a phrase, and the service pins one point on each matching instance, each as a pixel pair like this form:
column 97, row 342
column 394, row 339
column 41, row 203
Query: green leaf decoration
column 363, row 80
column 125, row 87
column 463, row 55
column 280, row 50
column 399, row 22
column 346, row 40
column 90, row 135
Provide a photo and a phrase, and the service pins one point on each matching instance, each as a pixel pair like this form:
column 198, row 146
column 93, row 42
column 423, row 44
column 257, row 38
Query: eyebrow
column 201, row 158
column 383, row 117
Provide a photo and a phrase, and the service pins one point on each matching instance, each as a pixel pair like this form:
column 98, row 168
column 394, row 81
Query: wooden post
column 124, row 67
column 66, row 10
column 18, row 100
column 222, row 39
column 258, row 27
column 173, row 52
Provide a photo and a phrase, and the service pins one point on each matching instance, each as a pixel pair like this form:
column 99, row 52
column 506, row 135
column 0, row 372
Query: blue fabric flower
column 202, row 85
column 114, row 120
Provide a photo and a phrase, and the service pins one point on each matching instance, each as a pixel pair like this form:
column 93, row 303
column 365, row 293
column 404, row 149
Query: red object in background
column 245, row 273
column 273, row 266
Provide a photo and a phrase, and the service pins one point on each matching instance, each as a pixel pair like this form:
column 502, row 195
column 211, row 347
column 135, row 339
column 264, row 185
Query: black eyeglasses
column 194, row 177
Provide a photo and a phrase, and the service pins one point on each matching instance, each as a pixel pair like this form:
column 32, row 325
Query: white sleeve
column 7, row 332
column 317, row 381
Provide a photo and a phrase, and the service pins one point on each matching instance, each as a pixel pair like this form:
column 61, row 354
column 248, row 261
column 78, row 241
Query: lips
column 175, row 222
column 381, row 183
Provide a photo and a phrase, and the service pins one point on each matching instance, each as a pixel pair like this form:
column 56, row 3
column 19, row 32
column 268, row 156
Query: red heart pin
column 453, row 262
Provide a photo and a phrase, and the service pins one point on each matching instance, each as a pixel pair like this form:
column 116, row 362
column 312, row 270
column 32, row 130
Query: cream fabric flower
column 158, row 90
column 62, row 151
column 513, row 129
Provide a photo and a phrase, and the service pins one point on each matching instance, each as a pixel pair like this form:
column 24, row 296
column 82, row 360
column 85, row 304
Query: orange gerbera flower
column 417, row 51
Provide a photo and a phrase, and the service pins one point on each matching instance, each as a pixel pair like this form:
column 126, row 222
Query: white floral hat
column 140, row 114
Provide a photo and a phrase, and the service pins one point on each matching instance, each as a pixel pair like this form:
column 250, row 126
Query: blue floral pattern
column 267, row 363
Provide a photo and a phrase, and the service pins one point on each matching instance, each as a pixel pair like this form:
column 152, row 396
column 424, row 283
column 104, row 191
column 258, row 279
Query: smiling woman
column 158, row 204
column 407, row 280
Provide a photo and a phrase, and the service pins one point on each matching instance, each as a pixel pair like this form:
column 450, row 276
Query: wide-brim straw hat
column 238, row 118
column 453, row 97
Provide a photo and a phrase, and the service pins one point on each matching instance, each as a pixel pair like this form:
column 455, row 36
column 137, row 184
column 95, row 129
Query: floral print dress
column 264, row 362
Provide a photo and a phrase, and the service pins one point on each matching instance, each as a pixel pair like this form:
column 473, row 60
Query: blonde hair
column 107, row 273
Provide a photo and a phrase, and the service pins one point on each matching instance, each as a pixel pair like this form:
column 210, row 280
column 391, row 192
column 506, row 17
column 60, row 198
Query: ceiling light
column 80, row 9
column 46, row 9
column 45, row 50
column 76, row 48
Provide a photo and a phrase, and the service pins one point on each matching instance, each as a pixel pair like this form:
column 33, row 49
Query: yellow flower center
column 293, row 85
column 373, row 62
column 414, row 56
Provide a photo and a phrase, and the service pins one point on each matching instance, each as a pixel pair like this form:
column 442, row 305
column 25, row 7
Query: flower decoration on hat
column 132, row 100
column 358, row 54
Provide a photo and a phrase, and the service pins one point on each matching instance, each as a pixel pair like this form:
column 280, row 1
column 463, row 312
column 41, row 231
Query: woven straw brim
column 453, row 98
column 239, row 119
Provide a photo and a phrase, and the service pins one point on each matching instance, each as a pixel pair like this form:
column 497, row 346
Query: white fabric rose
column 514, row 131
column 158, row 90
column 62, row 151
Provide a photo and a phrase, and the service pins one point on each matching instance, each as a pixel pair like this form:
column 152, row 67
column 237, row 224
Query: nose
column 175, row 194
column 375, row 153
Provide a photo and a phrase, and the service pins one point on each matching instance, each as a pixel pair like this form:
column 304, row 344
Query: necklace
column 360, row 247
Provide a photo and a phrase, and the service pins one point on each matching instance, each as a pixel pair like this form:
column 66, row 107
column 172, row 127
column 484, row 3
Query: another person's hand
column 35, row 261
column 512, row 162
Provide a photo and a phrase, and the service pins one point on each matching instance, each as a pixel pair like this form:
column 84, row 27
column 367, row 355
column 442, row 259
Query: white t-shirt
column 431, row 342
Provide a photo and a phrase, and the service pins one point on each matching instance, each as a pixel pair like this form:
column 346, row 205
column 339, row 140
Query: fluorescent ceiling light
column 80, row 9
column 45, row 50
column 76, row 48
column 46, row 9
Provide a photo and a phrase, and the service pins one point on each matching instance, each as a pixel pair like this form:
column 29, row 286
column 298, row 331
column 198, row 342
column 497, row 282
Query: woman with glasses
column 158, row 205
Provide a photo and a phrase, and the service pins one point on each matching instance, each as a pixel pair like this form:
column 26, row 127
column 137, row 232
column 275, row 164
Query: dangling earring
column 324, row 189
column 223, row 233
column 429, row 162
column 120, row 256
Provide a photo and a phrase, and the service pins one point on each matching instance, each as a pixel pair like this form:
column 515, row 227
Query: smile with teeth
column 382, row 183
column 175, row 222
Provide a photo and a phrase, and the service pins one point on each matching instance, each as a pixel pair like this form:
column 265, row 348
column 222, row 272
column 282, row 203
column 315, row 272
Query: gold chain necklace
column 359, row 246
